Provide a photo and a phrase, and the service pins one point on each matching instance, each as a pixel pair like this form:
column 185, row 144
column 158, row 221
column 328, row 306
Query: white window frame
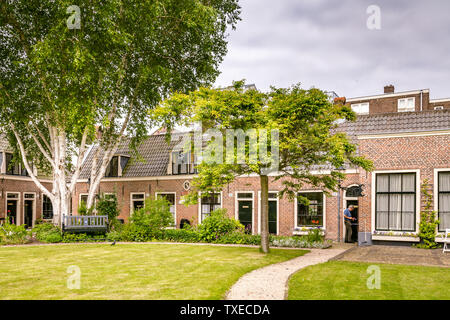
column 373, row 195
column 278, row 210
column 357, row 107
column 324, row 217
column 18, row 213
column 406, row 101
column 132, row 200
column 236, row 206
column 34, row 207
column 174, row 206
column 200, row 205
column 436, row 192
column 42, row 209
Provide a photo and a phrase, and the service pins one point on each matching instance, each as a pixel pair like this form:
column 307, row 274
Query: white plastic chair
column 446, row 241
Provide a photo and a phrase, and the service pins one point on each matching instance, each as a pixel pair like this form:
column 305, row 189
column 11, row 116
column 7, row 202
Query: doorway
column 11, row 210
column 245, row 211
column 355, row 223
column 28, row 213
column 273, row 216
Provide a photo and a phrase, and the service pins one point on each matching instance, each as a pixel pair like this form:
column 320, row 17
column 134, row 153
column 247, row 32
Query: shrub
column 107, row 205
column 315, row 235
column 13, row 234
column 217, row 225
column 83, row 210
column 155, row 215
column 298, row 242
column 136, row 233
column 47, row 232
column 239, row 237
column 114, row 235
column 180, row 235
column 75, row 237
column 428, row 222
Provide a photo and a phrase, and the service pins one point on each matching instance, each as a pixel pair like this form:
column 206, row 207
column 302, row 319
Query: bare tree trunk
column 264, row 181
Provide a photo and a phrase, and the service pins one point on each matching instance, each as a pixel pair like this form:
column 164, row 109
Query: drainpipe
column 421, row 99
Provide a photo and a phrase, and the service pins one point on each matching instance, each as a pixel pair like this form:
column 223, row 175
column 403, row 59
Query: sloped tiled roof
column 154, row 151
column 401, row 122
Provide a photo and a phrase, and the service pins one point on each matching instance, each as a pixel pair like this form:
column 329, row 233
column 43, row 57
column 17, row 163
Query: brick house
column 405, row 134
column 21, row 202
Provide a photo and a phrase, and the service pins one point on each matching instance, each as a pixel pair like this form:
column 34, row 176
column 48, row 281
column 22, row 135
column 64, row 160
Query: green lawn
column 129, row 271
column 347, row 280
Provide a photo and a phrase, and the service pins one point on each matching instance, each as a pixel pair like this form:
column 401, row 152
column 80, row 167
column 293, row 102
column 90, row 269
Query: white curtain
column 395, row 183
column 382, row 183
column 444, row 181
column 409, row 183
column 408, row 212
column 444, row 211
column 395, row 213
column 382, row 211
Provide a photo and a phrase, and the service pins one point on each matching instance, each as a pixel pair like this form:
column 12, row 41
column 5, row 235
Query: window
column 444, row 200
column 11, row 168
column 310, row 215
column 123, row 163
column 47, row 208
column 182, row 163
column 113, row 167
column 209, row 203
column 83, row 198
column 360, row 108
column 1, row 162
column 170, row 197
column 137, row 201
column 406, row 105
column 395, row 202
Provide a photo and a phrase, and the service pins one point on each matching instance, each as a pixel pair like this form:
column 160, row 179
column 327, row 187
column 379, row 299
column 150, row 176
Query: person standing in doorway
column 348, row 225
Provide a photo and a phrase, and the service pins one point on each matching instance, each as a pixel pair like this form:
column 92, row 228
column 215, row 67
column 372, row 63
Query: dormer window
column 182, row 162
column 12, row 167
column 116, row 166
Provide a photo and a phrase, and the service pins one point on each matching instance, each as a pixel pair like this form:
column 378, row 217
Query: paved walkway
column 270, row 283
column 397, row 255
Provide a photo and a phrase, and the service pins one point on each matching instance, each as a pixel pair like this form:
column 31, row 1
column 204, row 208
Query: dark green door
column 273, row 217
column 11, row 210
column 245, row 214
column 28, row 213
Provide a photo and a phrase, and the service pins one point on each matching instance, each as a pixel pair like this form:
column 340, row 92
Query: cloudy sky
column 327, row 44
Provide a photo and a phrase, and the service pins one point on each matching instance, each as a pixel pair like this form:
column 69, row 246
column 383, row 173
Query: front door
column 245, row 214
column 355, row 223
column 273, row 217
column 28, row 213
column 11, row 211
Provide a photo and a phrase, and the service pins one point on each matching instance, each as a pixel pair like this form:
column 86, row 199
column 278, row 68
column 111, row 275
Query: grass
column 129, row 271
column 348, row 281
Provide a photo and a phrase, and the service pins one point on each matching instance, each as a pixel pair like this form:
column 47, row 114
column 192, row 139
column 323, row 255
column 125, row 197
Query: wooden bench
column 85, row 223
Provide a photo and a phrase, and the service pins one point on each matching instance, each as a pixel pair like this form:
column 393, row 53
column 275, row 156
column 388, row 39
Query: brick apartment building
column 405, row 134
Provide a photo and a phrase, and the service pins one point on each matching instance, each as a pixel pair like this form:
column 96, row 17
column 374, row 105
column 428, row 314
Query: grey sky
column 326, row 44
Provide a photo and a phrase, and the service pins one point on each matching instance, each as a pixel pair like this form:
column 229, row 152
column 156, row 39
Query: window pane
column 245, row 195
column 395, row 183
column 382, row 183
column 113, row 168
column 444, row 211
column 312, row 214
column 409, row 182
column 47, row 208
column 123, row 162
column 444, row 181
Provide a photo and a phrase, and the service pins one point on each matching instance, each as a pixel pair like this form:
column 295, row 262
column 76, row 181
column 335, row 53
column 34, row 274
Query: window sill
column 395, row 238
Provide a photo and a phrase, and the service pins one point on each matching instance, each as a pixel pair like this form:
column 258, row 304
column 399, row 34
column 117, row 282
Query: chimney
column 389, row 89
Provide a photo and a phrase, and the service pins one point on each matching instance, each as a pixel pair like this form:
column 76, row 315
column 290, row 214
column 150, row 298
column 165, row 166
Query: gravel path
column 270, row 283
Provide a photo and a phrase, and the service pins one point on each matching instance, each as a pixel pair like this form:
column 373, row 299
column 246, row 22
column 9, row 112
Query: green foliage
column 82, row 237
column 83, row 210
column 13, row 234
column 314, row 235
column 47, row 232
column 136, row 233
column 180, row 235
column 239, row 237
column 107, row 205
column 155, row 214
column 217, row 225
column 428, row 222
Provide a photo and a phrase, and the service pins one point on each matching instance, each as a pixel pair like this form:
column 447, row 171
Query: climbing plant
column 428, row 222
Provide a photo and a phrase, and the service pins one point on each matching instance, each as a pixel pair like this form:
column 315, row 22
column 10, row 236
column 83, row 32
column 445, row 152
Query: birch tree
column 84, row 72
